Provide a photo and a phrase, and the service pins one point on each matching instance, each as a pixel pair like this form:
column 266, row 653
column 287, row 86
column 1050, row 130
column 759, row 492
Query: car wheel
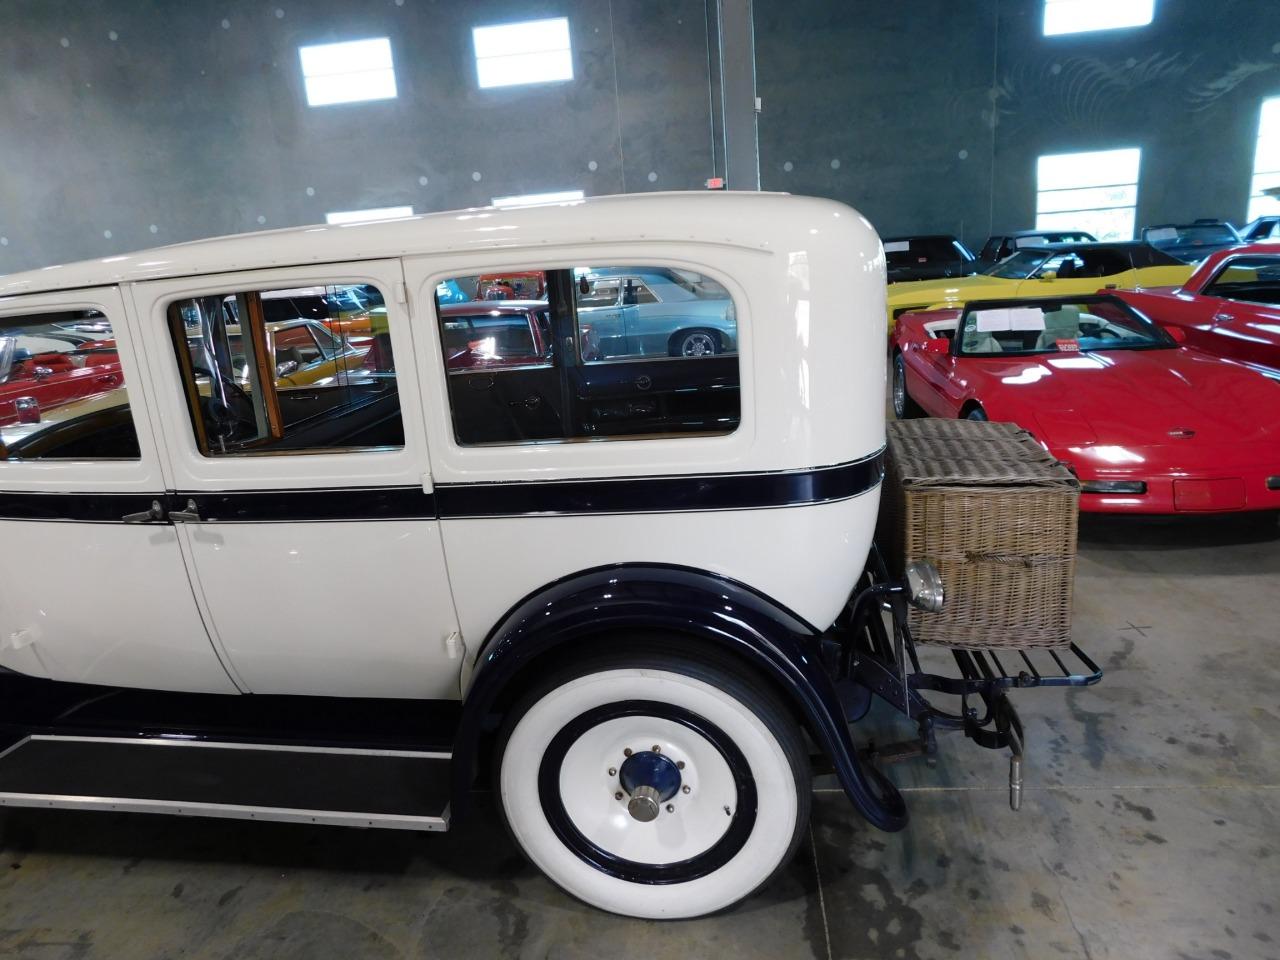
column 977, row 413
column 696, row 343
column 903, row 406
column 655, row 786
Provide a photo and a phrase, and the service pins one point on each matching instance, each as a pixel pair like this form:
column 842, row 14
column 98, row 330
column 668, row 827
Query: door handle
column 155, row 515
column 188, row 514
column 1223, row 316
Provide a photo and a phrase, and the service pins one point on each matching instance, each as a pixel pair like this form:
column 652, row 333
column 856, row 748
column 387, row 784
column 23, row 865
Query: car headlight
column 1114, row 486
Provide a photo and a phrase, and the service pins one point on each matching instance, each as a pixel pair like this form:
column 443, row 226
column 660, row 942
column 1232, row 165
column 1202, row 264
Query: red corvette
column 1148, row 425
column 1229, row 307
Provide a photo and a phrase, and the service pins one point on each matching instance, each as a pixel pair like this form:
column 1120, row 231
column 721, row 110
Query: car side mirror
column 939, row 345
column 584, row 286
column 287, row 368
column 1179, row 335
column 1049, row 275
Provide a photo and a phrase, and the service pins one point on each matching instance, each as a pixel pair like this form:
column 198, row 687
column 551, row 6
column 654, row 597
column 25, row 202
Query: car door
column 307, row 509
column 1236, row 312
column 93, row 583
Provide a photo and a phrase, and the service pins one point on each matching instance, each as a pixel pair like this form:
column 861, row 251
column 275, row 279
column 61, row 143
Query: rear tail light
column 1114, row 486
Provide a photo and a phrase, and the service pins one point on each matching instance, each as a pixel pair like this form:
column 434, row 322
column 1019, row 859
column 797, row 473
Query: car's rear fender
column 603, row 608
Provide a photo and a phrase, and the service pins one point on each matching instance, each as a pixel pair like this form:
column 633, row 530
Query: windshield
column 1196, row 234
column 917, row 250
column 1020, row 266
column 1059, row 326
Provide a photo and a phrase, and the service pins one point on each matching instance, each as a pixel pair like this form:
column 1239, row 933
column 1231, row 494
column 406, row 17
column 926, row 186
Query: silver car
column 652, row 312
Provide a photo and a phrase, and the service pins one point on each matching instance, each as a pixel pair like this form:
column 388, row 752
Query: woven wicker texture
column 997, row 515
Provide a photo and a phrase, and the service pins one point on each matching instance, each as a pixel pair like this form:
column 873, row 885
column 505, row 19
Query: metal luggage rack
column 881, row 658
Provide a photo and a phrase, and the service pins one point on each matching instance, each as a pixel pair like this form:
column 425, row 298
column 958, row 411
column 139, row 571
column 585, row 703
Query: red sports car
column 1230, row 306
column 38, row 375
column 1148, row 425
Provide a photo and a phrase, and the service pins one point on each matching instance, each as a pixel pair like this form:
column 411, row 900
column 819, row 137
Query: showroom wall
column 936, row 119
column 129, row 124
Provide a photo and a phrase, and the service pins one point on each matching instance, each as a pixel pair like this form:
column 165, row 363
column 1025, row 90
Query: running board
column 344, row 786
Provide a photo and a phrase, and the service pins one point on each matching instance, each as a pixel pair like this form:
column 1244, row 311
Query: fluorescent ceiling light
column 1081, row 16
column 363, row 216
column 525, row 199
column 348, row 72
column 532, row 51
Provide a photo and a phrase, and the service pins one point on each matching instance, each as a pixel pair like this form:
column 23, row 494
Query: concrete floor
column 1150, row 828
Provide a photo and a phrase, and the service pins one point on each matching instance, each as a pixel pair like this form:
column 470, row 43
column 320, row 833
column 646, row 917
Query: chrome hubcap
column 650, row 779
column 698, row 345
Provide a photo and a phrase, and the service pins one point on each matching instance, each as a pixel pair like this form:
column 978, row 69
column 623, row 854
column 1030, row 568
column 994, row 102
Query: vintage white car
column 613, row 579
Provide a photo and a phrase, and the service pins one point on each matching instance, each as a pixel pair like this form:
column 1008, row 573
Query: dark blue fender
column 684, row 601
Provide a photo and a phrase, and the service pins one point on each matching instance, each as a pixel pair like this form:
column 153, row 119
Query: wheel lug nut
column 626, row 752
column 656, row 748
column 686, row 788
column 613, row 771
column 679, row 764
column 618, row 795
column 671, row 808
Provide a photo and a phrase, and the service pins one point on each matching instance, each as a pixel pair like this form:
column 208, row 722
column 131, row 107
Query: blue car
column 627, row 312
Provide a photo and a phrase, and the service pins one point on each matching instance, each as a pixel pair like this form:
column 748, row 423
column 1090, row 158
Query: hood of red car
column 1133, row 398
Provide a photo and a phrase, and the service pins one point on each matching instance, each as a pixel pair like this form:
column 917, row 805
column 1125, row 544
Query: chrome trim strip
column 229, row 811
column 214, row 744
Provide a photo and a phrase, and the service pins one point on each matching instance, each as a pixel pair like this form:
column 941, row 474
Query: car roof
column 919, row 236
column 1040, row 233
column 745, row 219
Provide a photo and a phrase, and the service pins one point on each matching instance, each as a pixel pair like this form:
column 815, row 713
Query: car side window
column 288, row 371
column 62, row 389
column 1247, row 279
column 609, row 353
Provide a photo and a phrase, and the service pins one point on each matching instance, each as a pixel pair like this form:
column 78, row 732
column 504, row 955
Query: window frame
column 1225, row 265
column 105, row 475
column 742, row 432
column 281, row 470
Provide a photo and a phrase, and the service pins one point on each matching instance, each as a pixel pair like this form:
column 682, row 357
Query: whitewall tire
column 682, row 830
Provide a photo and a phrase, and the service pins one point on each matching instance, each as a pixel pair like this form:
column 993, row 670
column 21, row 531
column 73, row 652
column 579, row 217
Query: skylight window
column 363, row 216
column 348, row 72
column 1266, row 162
column 532, row 51
column 1081, row 16
column 1095, row 191
column 525, row 199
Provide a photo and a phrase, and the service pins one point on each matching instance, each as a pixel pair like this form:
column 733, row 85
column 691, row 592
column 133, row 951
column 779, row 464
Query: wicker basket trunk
column 997, row 515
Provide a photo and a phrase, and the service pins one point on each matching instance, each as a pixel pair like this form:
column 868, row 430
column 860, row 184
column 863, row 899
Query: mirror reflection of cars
column 529, row 285
column 1191, row 242
column 656, row 312
column 353, row 310
column 1061, row 268
column 927, row 257
column 1001, row 246
column 485, row 336
column 303, row 353
column 35, row 379
column 1148, row 425
column 1230, row 306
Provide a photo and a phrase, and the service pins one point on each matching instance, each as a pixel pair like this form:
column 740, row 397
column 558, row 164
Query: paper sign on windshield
column 1021, row 242
column 897, row 246
column 1162, row 233
column 1003, row 319
column 1068, row 346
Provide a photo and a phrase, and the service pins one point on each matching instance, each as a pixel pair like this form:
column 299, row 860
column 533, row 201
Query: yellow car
column 1067, row 269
